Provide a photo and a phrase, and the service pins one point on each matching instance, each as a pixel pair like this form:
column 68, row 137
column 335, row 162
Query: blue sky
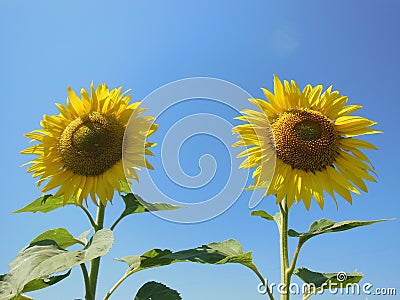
column 143, row 45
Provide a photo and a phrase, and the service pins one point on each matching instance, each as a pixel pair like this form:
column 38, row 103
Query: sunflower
column 80, row 150
column 315, row 141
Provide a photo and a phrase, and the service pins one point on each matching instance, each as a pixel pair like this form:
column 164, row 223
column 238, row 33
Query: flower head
column 315, row 141
column 80, row 150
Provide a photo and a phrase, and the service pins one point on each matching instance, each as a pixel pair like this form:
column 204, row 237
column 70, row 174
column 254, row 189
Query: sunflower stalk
column 88, row 295
column 95, row 263
column 284, row 257
column 286, row 270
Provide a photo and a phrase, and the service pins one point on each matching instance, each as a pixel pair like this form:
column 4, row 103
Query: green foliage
column 229, row 251
column 263, row 214
column 48, row 202
column 45, row 204
column 156, row 291
column 21, row 297
column 319, row 281
column 151, row 259
column 60, row 235
column 42, row 283
column 125, row 187
column 324, row 226
column 135, row 204
column 44, row 257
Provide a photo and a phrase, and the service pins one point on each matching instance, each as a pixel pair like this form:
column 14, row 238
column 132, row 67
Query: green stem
column 116, row 222
column 116, row 285
column 92, row 222
column 265, row 283
column 294, row 260
column 283, row 232
column 95, row 263
column 88, row 295
column 307, row 296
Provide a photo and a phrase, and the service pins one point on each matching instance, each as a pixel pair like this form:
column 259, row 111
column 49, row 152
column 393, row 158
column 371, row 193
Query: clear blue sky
column 142, row 45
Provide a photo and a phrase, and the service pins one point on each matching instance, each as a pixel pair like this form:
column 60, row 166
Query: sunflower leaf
column 45, row 204
column 156, row 291
column 317, row 281
column 150, row 259
column 135, row 204
column 45, row 257
column 229, row 251
column 21, row 297
column 325, row 226
column 42, row 283
column 263, row 214
column 60, row 235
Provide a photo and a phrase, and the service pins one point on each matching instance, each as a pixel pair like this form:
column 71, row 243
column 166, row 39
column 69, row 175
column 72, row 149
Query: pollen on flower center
column 91, row 144
column 305, row 139
column 308, row 130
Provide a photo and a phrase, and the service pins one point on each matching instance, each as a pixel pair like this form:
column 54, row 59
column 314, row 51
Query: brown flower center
column 305, row 139
column 91, row 144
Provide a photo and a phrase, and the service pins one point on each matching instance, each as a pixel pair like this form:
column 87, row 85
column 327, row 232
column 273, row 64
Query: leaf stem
column 117, row 284
column 306, row 296
column 116, row 222
column 283, row 232
column 95, row 263
column 265, row 283
column 294, row 260
column 87, row 212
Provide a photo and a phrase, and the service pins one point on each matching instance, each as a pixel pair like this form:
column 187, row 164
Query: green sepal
column 125, row 187
column 156, row 291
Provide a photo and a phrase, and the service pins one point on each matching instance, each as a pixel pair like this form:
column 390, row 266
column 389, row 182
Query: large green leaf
column 229, row 251
column 150, row 259
column 60, row 235
column 156, row 291
column 45, row 257
column 48, row 202
column 135, row 204
column 325, row 226
column 45, row 204
column 317, row 281
column 41, row 283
